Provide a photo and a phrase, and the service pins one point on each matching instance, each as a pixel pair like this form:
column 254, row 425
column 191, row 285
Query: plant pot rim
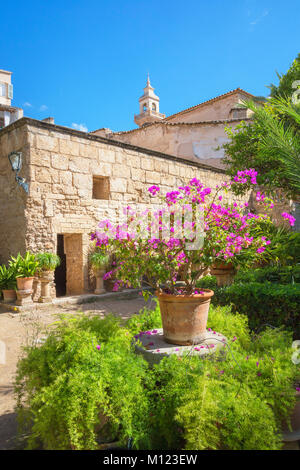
column 222, row 265
column 8, row 290
column 23, row 277
column 208, row 293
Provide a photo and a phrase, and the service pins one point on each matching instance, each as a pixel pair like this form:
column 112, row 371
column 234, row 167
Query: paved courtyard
column 17, row 330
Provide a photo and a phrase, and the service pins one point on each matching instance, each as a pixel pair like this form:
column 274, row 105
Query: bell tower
column 149, row 107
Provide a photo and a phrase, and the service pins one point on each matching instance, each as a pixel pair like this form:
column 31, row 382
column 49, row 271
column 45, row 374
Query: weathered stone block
column 138, row 175
column 82, row 181
column 118, row 185
column 152, row 177
column 79, row 164
column 68, row 147
column 47, row 143
column 106, row 155
column 59, row 162
column 121, row 170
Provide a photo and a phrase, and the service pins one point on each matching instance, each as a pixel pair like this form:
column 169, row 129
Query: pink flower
column 289, row 217
column 98, row 347
column 153, row 190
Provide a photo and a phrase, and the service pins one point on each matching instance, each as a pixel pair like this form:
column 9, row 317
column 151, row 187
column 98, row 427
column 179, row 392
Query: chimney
column 50, row 120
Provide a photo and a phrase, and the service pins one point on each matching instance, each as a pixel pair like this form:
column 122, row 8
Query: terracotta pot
column 224, row 273
column 184, row 317
column 9, row 295
column 225, row 266
column 25, row 283
column 46, row 276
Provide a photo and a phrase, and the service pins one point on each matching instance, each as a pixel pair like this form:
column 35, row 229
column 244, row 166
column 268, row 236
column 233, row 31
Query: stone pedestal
column 99, row 283
column 45, row 280
column 24, row 297
column 154, row 348
column 35, row 289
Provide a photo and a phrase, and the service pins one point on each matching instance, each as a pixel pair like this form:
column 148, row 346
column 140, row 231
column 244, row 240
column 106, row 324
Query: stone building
column 8, row 113
column 195, row 134
column 76, row 179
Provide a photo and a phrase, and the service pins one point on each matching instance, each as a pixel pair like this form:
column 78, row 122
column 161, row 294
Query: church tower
column 149, row 107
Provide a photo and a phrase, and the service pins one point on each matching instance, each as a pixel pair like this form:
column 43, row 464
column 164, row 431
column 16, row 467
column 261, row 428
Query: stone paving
column 17, row 330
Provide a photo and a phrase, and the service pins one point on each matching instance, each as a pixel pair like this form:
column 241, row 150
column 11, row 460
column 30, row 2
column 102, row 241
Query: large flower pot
column 184, row 317
column 24, row 283
column 224, row 273
column 9, row 295
column 46, row 277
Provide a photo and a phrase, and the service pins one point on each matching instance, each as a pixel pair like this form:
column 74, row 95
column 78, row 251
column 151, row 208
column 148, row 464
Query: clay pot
column 9, row 295
column 224, row 273
column 184, row 317
column 25, row 283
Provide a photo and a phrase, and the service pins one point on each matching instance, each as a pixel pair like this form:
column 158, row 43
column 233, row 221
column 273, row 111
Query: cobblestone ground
column 17, row 330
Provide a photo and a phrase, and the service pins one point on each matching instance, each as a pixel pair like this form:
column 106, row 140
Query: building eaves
column 116, row 143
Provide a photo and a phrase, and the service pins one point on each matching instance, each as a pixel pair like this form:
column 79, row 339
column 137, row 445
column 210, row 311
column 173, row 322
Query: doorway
column 60, row 275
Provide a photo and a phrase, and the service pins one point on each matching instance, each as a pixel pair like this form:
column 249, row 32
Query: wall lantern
column 15, row 159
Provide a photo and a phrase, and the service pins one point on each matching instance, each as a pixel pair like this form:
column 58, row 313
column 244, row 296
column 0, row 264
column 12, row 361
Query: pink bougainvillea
column 192, row 229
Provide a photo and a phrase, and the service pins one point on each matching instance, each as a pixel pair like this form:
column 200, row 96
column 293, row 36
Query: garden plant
column 85, row 386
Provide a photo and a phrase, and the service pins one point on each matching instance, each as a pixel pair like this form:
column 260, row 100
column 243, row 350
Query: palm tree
column 280, row 122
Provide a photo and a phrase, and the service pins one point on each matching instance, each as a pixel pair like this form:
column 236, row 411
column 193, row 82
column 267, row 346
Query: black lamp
column 15, row 159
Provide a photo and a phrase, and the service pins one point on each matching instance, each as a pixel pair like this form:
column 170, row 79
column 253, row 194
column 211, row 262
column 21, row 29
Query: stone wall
column 198, row 141
column 13, row 198
column 59, row 165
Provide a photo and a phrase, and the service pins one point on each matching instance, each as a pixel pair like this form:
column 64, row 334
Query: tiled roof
column 220, row 97
column 204, row 103
column 164, row 123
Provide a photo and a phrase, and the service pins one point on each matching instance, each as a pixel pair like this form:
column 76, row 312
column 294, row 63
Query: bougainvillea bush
column 85, row 385
column 189, row 231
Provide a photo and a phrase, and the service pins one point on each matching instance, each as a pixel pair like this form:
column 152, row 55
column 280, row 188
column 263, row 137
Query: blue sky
column 85, row 63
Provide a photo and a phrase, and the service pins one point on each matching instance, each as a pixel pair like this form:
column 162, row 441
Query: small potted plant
column 25, row 268
column 47, row 263
column 8, row 283
column 99, row 262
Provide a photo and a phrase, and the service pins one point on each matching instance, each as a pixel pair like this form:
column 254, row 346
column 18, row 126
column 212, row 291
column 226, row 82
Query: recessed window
column 144, row 107
column 3, row 89
column 101, row 187
column 153, row 107
column 239, row 113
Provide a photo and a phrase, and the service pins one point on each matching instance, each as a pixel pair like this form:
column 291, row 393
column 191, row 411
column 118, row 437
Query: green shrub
column 264, row 303
column 276, row 303
column 85, row 385
column 25, row 266
column 47, row 261
column 7, row 278
column 276, row 274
